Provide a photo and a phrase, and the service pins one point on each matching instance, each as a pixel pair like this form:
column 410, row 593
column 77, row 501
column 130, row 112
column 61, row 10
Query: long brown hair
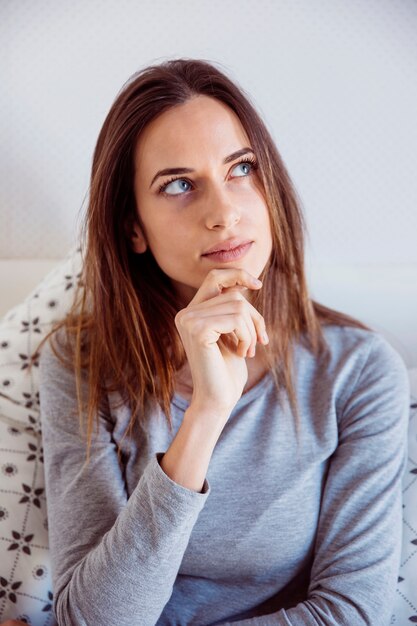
column 120, row 331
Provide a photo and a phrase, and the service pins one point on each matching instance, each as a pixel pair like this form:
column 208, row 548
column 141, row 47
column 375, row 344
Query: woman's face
column 212, row 199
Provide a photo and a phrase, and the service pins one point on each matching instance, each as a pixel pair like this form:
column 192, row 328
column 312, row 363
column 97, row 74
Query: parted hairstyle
column 120, row 333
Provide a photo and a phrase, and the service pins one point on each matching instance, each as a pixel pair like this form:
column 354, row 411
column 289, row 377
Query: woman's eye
column 175, row 185
column 245, row 164
column 179, row 186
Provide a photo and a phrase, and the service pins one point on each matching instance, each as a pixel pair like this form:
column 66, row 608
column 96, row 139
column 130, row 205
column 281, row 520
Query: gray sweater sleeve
column 358, row 543
column 97, row 536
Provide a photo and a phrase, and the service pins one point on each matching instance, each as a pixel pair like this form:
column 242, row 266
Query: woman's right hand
column 219, row 328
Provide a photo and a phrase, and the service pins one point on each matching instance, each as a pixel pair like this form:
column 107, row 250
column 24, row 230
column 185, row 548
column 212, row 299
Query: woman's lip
column 223, row 256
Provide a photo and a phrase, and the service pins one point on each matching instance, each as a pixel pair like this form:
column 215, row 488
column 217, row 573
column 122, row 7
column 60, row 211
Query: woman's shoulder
column 56, row 362
column 364, row 354
column 361, row 343
column 48, row 353
column 350, row 352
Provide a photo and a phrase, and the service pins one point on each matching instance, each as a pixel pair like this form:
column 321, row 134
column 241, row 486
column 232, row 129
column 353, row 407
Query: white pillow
column 405, row 609
column 21, row 330
column 25, row 569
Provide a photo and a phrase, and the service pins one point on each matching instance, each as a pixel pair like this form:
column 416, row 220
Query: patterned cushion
column 20, row 331
column 405, row 610
column 25, row 573
column 25, row 569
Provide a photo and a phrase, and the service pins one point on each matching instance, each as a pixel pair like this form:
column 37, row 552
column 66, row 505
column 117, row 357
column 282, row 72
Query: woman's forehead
column 200, row 127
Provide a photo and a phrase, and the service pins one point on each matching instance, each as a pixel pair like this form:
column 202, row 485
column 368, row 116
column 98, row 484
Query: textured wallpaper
column 335, row 82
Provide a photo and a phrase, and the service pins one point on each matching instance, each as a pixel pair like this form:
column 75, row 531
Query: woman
column 239, row 449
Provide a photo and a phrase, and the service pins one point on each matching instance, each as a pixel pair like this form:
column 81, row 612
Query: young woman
column 218, row 448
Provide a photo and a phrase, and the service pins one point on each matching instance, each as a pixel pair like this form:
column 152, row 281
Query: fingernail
column 265, row 337
column 257, row 282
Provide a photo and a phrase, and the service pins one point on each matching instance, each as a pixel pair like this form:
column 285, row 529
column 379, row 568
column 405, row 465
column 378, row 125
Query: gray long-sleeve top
column 285, row 532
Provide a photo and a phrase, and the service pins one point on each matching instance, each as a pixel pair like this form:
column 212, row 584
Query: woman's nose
column 222, row 211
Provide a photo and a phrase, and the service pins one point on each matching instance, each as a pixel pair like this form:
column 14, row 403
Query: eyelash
column 253, row 162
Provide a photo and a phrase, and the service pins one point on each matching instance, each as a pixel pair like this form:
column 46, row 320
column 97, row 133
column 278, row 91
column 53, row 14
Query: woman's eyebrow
column 187, row 170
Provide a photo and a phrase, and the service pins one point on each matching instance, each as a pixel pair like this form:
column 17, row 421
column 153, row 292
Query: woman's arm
column 114, row 560
column 358, row 543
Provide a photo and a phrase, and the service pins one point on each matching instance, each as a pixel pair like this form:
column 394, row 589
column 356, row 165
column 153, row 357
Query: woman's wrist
column 187, row 459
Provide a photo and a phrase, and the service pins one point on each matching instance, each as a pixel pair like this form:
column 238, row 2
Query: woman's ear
column 136, row 237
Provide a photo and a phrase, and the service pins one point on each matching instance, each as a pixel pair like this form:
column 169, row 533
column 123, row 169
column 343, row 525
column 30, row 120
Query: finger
column 232, row 295
column 209, row 331
column 217, row 280
column 228, row 340
column 229, row 299
column 244, row 335
column 236, row 307
column 239, row 288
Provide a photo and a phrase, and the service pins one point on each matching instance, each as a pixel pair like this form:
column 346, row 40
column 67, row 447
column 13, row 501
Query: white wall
column 335, row 82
